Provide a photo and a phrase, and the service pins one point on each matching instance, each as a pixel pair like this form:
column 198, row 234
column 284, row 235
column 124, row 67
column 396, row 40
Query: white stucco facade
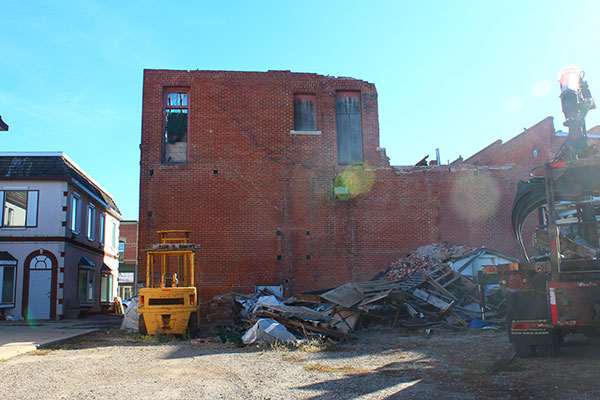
column 66, row 260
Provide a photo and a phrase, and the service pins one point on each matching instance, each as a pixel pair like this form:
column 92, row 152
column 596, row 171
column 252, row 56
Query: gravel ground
column 379, row 364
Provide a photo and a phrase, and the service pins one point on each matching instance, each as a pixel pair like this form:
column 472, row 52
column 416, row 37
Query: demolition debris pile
column 426, row 258
column 419, row 291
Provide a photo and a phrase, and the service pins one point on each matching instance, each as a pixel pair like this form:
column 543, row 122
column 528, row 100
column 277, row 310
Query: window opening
column 91, row 221
column 19, row 208
column 349, row 127
column 40, row 262
column 125, row 291
column 85, row 281
column 75, row 204
column 121, row 250
column 86, row 285
column 7, row 284
column 15, row 208
column 113, row 235
column 106, row 285
column 176, row 127
column 102, row 228
column 305, row 118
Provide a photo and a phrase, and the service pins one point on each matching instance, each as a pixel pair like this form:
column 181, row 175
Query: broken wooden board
column 304, row 313
column 431, row 299
column 374, row 298
column 346, row 295
column 348, row 320
column 361, row 293
column 308, row 298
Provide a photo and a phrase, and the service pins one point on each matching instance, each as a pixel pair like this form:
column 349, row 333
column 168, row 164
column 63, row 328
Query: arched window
column 40, row 262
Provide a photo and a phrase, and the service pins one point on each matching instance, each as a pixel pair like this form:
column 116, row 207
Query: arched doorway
column 40, row 276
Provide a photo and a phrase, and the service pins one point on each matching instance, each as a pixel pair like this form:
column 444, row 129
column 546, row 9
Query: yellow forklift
column 169, row 302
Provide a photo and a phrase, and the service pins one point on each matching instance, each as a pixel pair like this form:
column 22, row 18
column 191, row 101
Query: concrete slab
column 18, row 337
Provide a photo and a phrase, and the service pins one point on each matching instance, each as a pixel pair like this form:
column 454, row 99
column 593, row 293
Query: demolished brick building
column 280, row 178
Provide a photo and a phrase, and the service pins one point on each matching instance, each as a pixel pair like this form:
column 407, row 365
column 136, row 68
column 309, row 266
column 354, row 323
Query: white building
column 59, row 233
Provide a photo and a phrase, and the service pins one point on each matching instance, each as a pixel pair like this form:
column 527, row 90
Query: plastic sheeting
column 269, row 331
column 131, row 317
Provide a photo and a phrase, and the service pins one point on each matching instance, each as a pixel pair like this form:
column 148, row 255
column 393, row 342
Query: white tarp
column 131, row 318
column 266, row 300
column 268, row 330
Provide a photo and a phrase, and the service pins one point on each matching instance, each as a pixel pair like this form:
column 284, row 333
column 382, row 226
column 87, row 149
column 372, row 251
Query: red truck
column 558, row 291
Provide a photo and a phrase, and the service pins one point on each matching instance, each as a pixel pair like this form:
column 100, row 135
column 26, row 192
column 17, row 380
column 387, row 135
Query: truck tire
column 547, row 350
column 524, row 350
column 142, row 326
column 192, row 328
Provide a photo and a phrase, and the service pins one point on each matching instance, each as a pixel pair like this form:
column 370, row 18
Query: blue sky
column 453, row 75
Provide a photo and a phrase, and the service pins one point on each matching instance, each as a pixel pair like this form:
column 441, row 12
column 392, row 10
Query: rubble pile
column 418, row 291
column 426, row 258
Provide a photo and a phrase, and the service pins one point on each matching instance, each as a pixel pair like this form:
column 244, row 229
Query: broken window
column 19, row 208
column 349, row 127
column 305, row 118
column 176, row 127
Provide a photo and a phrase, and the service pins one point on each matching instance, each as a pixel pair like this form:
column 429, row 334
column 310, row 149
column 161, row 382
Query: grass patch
column 153, row 339
column 327, row 368
column 293, row 358
column 309, row 346
column 41, row 352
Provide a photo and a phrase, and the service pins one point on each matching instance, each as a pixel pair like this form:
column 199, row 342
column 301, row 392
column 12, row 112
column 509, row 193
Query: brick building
column 128, row 259
column 533, row 147
column 280, row 178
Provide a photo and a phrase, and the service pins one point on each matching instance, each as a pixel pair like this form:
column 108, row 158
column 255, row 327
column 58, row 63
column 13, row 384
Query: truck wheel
column 547, row 350
column 142, row 326
column 192, row 328
column 524, row 350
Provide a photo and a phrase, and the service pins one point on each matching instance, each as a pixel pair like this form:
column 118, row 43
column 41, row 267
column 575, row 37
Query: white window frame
column 114, row 235
column 75, row 213
column 31, row 207
column 102, row 228
column 91, row 221
column 109, row 279
column 89, row 288
column 8, row 264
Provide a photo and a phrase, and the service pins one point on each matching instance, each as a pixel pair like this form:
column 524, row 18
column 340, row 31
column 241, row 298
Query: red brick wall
column 268, row 181
column 128, row 232
column 520, row 149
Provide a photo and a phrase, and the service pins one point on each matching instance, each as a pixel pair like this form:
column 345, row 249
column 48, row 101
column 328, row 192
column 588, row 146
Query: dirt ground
column 379, row 364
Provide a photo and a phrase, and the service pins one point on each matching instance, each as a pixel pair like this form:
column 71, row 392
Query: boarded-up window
column 305, row 118
column 349, row 127
column 176, row 127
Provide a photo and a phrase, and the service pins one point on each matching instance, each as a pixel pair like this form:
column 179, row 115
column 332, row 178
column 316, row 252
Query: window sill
column 7, row 305
column 309, row 133
column 174, row 163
